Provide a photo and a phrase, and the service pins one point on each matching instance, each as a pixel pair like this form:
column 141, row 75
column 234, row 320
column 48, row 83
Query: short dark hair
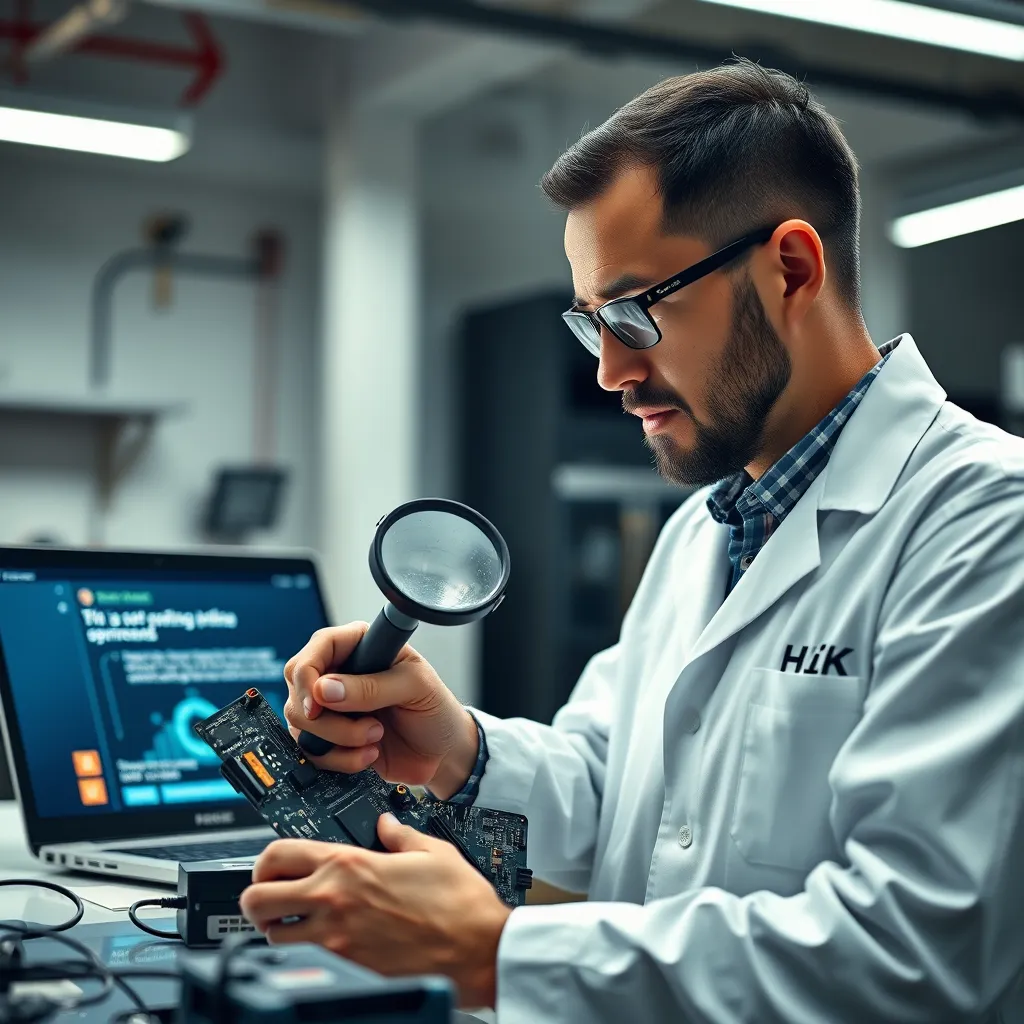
column 735, row 148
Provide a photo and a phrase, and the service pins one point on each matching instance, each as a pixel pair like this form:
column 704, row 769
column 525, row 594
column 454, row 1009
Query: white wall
column 255, row 163
column 60, row 224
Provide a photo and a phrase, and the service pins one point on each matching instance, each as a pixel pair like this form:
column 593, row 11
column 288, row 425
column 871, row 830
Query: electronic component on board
column 402, row 798
column 302, row 776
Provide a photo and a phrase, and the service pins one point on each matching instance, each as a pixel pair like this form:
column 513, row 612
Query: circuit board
column 264, row 764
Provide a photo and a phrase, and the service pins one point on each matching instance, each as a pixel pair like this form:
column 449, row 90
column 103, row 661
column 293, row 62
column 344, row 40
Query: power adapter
column 211, row 889
column 302, row 983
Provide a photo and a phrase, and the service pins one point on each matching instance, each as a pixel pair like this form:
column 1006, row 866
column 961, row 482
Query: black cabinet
column 553, row 461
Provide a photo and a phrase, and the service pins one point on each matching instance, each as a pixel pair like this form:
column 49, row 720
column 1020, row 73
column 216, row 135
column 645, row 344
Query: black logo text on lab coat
column 815, row 661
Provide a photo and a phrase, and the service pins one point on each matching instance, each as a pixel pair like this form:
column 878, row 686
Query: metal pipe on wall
column 151, row 258
column 68, row 31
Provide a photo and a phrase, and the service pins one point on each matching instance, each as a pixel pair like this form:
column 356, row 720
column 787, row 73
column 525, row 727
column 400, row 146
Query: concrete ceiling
column 723, row 29
column 280, row 52
column 882, row 132
column 763, row 36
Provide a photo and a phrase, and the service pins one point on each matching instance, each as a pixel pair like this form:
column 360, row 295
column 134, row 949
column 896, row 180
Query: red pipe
column 207, row 58
column 22, row 18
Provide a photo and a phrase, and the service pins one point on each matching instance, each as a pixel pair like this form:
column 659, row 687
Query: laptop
column 107, row 659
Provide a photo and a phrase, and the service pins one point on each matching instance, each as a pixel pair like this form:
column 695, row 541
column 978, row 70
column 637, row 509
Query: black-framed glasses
column 629, row 318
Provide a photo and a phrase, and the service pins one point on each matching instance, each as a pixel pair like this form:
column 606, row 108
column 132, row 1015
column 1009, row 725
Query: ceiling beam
column 321, row 16
column 603, row 40
column 425, row 67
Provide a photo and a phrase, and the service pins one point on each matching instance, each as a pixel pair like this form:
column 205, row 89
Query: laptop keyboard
column 223, row 850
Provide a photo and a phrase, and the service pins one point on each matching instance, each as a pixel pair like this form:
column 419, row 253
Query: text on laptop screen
column 109, row 674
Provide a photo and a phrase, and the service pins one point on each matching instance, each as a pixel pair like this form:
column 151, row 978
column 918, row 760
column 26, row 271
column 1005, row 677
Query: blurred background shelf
column 98, row 407
column 122, row 429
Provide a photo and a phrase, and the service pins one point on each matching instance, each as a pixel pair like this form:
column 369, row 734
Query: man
column 793, row 790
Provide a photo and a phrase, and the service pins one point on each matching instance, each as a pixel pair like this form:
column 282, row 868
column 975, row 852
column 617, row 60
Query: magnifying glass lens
column 441, row 561
column 444, row 564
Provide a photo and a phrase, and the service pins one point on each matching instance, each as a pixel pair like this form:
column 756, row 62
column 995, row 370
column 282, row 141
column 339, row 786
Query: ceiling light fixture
column 90, row 128
column 904, row 20
column 960, row 218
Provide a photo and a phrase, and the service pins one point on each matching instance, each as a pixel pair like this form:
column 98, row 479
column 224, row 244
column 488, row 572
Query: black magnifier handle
column 387, row 635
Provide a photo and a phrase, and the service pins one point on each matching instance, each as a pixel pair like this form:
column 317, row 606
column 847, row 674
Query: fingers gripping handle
column 374, row 653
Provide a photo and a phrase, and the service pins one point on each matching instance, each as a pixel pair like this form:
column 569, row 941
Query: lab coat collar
column 875, row 445
column 868, row 458
column 790, row 554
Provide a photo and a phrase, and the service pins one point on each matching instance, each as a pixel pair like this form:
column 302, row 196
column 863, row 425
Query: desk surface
column 38, row 904
column 108, row 931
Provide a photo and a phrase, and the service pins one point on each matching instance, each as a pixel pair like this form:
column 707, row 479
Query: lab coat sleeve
column 922, row 921
column 555, row 774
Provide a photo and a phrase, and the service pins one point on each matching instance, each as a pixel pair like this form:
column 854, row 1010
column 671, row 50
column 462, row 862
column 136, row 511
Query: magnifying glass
column 435, row 561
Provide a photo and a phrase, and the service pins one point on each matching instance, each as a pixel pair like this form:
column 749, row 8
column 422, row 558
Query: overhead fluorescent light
column 959, row 218
column 903, row 20
column 155, row 136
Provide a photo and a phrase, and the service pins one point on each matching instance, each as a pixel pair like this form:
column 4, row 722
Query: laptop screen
column 109, row 658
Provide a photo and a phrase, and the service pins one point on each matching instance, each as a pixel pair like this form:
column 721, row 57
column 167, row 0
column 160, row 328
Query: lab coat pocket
column 794, row 727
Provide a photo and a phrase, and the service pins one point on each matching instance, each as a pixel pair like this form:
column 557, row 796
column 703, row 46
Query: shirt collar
column 776, row 492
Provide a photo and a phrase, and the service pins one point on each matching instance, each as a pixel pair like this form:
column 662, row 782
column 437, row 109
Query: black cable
column 130, row 993
column 61, row 891
column 94, row 969
column 170, row 902
column 33, row 1010
column 141, row 1015
column 99, row 971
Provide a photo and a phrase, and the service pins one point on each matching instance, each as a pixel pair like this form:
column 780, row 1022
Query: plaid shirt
column 753, row 509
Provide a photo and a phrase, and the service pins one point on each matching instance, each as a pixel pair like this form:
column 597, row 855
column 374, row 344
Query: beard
column 754, row 369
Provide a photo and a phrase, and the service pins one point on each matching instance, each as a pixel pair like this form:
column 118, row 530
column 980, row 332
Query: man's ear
column 801, row 266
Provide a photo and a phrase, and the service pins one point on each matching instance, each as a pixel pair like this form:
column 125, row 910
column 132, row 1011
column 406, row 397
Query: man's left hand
column 420, row 909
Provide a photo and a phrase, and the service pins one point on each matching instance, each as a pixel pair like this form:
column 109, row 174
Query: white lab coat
column 762, row 840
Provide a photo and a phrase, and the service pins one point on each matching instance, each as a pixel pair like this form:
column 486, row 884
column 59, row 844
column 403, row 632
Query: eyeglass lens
column 629, row 323
column 624, row 319
column 583, row 327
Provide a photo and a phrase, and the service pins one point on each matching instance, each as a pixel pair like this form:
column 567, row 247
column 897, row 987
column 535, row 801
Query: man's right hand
column 411, row 727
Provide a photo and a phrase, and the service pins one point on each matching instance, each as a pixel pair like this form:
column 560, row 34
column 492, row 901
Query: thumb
column 399, row 838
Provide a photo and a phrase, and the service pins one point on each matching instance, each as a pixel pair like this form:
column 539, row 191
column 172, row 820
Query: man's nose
column 619, row 367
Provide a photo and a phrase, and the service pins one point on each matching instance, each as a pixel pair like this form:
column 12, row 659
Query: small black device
column 245, row 498
column 302, row 983
column 211, row 890
column 262, row 761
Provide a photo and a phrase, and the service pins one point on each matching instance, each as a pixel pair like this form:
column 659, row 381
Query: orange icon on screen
column 87, row 762
column 92, row 791
column 86, row 597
